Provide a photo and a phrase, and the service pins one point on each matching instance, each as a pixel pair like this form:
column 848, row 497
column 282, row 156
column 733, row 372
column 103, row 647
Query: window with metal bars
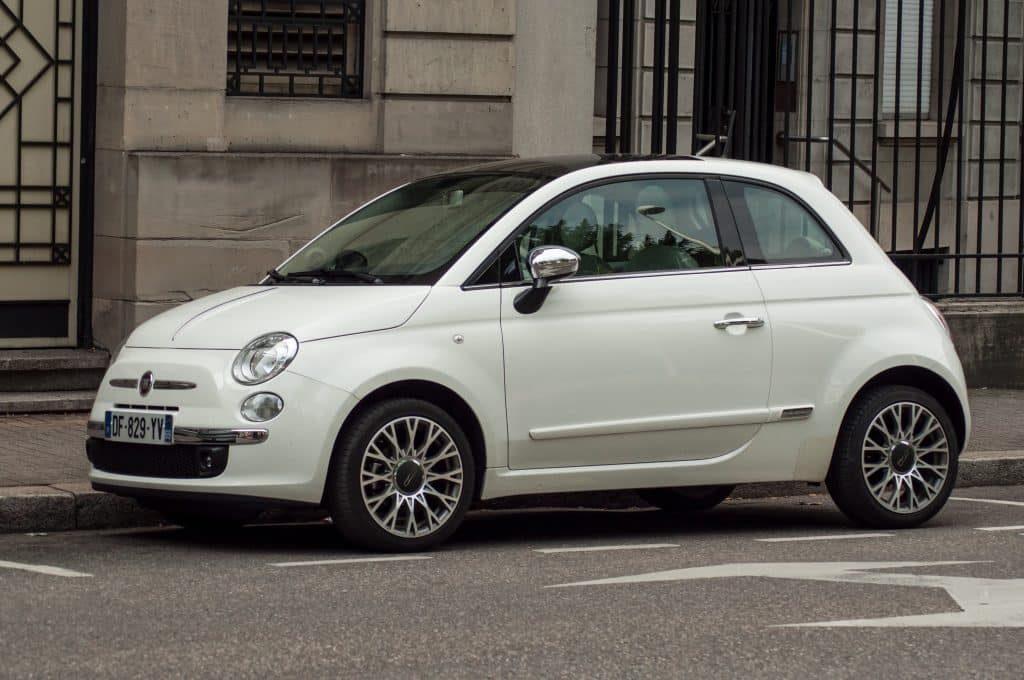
column 296, row 48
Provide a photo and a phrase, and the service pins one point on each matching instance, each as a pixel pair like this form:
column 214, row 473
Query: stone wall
column 198, row 191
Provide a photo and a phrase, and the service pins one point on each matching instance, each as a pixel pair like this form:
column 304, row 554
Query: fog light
column 262, row 406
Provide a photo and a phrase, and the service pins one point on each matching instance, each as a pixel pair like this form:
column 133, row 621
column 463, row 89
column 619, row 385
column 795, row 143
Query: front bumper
column 284, row 459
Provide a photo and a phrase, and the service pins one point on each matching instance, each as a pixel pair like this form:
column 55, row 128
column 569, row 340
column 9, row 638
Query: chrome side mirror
column 547, row 264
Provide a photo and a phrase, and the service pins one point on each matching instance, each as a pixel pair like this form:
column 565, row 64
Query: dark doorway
column 734, row 80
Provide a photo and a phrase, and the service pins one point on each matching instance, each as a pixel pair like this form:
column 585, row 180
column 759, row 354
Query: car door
column 657, row 350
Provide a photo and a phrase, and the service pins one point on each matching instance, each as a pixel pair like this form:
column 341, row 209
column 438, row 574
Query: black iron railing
column 909, row 111
column 296, row 48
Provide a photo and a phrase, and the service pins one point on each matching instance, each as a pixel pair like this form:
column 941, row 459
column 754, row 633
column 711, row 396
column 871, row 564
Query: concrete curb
column 62, row 507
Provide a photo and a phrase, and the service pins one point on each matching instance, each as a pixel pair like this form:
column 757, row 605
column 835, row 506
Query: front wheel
column 686, row 499
column 402, row 477
column 895, row 460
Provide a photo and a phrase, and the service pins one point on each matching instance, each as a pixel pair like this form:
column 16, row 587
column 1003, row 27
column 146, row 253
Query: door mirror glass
column 553, row 262
column 547, row 263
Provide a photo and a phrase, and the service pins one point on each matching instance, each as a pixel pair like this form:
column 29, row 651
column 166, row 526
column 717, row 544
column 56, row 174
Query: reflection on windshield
column 414, row 233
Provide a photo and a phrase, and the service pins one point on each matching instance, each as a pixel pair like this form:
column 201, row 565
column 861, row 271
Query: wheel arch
column 928, row 381
column 439, row 395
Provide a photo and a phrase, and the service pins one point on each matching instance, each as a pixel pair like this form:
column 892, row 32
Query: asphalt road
column 707, row 598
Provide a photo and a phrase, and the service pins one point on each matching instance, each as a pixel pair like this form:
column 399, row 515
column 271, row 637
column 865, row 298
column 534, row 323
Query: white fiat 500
column 674, row 326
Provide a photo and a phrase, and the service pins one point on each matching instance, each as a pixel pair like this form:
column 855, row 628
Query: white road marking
column 986, row 500
column 984, row 602
column 1016, row 527
column 833, row 537
column 352, row 560
column 596, row 548
column 43, row 569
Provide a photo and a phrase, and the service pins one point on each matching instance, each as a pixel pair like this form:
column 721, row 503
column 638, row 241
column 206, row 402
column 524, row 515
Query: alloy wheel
column 905, row 457
column 411, row 476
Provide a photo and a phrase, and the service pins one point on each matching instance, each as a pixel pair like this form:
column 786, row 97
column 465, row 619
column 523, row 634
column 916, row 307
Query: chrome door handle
column 748, row 321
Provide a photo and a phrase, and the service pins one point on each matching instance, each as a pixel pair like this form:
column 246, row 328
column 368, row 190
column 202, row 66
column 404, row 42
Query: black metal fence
column 908, row 110
column 304, row 48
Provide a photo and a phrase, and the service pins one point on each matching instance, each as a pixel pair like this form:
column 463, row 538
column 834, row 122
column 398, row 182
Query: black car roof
column 550, row 167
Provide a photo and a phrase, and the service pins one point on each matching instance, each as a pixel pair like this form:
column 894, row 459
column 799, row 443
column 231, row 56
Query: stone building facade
column 196, row 173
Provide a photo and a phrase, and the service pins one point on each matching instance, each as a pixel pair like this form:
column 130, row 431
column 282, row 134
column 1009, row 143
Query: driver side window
column 643, row 225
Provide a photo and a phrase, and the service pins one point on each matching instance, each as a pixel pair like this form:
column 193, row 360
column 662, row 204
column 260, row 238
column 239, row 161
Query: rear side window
column 776, row 229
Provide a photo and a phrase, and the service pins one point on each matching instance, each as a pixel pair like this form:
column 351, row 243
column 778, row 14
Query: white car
column 675, row 326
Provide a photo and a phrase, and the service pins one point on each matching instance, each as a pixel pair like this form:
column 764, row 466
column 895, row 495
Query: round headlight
column 262, row 406
column 264, row 357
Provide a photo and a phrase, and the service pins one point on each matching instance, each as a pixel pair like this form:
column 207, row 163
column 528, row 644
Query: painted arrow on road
column 985, row 602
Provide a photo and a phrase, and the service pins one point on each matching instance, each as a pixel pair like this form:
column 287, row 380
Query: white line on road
column 834, row 537
column 986, row 500
column 352, row 560
column 1016, row 527
column 42, row 569
column 595, row 548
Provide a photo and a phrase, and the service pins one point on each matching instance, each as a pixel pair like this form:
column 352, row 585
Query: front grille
column 177, row 461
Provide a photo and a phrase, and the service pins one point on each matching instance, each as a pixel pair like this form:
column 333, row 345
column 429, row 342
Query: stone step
column 51, row 370
column 66, row 401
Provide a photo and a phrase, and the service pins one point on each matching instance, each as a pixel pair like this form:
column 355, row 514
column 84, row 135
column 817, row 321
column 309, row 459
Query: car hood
column 232, row 318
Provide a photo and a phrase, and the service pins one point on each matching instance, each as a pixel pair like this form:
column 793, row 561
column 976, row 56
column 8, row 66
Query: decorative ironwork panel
column 296, row 48
column 37, row 90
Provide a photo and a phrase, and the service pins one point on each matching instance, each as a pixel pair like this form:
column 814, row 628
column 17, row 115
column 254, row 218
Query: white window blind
column 906, row 61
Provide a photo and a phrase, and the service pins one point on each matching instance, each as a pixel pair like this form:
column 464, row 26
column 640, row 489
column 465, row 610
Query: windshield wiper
column 325, row 275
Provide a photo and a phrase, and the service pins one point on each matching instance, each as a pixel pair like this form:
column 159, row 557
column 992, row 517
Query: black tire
column 344, row 495
column 214, row 521
column 846, row 480
column 686, row 499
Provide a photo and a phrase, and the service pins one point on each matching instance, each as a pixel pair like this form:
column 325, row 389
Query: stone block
column 181, row 45
column 232, row 197
column 423, row 126
column 315, row 125
column 494, row 17
column 448, row 66
column 173, row 120
column 36, row 508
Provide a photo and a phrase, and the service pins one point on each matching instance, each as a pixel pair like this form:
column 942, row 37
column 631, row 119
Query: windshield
column 412, row 234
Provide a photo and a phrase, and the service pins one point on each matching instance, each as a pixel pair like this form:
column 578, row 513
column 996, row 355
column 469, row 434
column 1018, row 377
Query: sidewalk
column 42, row 462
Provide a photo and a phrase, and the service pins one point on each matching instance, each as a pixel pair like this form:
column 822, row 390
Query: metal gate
column 908, row 110
column 40, row 171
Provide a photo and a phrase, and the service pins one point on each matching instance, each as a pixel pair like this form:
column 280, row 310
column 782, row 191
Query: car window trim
column 731, row 230
column 844, row 255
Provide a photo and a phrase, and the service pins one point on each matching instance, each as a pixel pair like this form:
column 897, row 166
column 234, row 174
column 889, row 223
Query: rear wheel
column 895, row 461
column 402, row 477
column 686, row 499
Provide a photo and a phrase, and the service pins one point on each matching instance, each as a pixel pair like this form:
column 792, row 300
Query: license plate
column 139, row 427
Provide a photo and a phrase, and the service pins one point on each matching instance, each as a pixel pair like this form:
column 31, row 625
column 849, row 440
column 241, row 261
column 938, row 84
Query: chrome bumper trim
column 202, row 435
column 132, row 383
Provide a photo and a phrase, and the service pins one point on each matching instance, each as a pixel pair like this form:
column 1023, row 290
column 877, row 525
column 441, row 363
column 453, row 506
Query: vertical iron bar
column 612, row 81
column 789, row 84
column 961, row 143
column 658, row 91
column 982, row 100
column 626, row 102
column 876, row 90
column 810, row 84
column 896, row 134
column 853, row 103
column 942, row 75
column 672, row 119
column 53, row 148
column 831, row 97
column 915, row 263
column 1002, row 146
